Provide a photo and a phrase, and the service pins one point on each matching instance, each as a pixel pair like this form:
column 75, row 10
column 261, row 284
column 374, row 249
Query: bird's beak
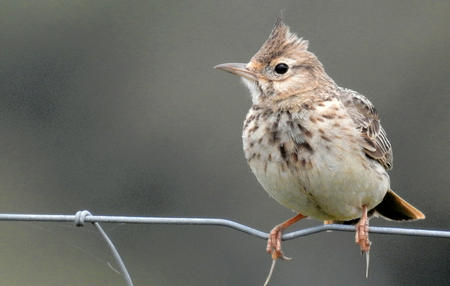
column 239, row 69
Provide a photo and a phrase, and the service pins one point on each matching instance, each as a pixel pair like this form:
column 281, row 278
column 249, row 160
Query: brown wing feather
column 375, row 143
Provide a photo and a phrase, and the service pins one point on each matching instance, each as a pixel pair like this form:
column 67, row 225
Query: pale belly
column 331, row 189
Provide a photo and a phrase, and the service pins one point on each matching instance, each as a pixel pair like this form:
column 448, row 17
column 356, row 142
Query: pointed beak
column 239, row 69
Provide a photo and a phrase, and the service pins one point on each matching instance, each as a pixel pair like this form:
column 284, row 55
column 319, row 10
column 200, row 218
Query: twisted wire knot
column 80, row 217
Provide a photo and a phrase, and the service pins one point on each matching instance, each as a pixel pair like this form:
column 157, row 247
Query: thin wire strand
column 222, row 222
column 81, row 217
column 116, row 255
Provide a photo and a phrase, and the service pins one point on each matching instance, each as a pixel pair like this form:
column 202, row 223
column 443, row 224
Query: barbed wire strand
column 81, row 217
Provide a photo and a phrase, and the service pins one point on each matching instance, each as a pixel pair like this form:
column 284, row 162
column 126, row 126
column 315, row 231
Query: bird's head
column 282, row 67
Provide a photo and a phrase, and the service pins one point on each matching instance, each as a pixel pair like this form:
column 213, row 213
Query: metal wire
column 220, row 222
column 82, row 217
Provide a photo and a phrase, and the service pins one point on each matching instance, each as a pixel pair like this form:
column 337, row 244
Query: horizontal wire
column 82, row 217
column 221, row 222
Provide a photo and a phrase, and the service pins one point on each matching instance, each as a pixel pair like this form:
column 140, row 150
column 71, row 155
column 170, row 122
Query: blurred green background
column 113, row 106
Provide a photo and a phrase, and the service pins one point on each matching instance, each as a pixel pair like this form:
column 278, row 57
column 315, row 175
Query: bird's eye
column 281, row 68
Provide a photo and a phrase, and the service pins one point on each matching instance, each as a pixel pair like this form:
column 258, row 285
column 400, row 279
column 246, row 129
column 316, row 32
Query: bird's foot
column 275, row 236
column 274, row 243
column 362, row 232
column 362, row 237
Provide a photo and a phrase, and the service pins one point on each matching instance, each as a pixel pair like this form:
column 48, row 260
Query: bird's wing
column 376, row 145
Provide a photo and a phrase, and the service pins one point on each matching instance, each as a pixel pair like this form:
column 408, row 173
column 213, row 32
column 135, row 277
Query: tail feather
column 393, row 207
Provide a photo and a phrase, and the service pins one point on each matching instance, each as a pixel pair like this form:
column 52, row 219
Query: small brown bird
column 316, row 148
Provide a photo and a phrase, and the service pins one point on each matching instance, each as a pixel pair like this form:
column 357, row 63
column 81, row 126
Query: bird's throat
column 255, row 90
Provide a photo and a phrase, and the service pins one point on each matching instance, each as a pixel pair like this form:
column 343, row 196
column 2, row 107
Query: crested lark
column 316, row 148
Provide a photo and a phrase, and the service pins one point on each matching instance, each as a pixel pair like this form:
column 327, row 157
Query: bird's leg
column 362, row 236
column 274, row 240
column 362, row 232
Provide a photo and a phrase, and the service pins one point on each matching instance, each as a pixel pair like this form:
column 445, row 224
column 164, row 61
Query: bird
column 315, row 147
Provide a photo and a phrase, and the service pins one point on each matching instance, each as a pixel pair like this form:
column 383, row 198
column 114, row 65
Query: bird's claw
column 274, row 244
column 362, row 235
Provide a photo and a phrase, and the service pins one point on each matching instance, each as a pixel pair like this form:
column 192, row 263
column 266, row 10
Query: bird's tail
column 393, row 207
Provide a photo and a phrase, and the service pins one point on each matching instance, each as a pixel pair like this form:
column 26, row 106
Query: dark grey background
column 113, row 106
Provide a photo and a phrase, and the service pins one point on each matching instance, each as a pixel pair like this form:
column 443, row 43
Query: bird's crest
column 281, row 41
